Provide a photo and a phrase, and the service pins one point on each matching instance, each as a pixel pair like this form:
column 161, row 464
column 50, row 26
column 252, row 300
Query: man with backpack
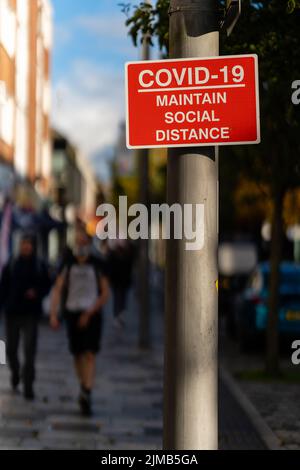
column 82, row 289
column 24, row 283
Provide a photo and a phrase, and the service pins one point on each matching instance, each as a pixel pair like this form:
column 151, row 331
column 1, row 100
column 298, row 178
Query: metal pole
column 143, row 168
column 191, row 322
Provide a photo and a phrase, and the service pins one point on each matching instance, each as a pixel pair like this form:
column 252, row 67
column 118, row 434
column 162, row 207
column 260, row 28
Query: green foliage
column 272, row 33
column 153, row 21
column 148, row 21
column 292, row 5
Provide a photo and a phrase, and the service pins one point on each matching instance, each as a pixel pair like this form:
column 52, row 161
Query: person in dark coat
column 24, row 283
column 120, row 259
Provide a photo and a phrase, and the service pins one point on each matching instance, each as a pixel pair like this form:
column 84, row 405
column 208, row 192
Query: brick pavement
column 127, row 400
column 276, row 401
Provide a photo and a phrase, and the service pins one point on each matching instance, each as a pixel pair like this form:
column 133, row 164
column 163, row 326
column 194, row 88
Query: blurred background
column 63, row 152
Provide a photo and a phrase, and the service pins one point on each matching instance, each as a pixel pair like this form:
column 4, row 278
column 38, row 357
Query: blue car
column 252, row 305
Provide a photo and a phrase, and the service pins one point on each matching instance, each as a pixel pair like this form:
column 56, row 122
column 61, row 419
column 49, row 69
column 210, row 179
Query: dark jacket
column 120, row 262
column 18, row 277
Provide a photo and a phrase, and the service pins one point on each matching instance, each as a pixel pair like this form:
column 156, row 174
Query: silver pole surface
column 191, row 321
column 144, row 267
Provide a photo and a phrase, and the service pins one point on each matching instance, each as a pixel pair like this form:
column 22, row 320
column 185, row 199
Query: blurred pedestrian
column 82, row 290
column 24, row 283
column 120, row 258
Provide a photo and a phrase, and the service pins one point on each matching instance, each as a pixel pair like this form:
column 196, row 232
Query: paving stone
column 277, row 403
column 153, row 431
column 88, row 428
column 67, row 444
column 30, row 444
column 127, row 398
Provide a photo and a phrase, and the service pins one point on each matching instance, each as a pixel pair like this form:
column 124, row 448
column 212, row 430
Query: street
column 149, row 173
column 127, row 400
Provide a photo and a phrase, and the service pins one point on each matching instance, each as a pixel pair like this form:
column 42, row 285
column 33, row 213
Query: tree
column 153, row 21
column 293, row 5
column 271, row 30
column 268, row 29
column 150, row 21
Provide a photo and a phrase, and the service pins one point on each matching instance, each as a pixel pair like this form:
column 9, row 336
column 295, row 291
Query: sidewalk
column 128, row 399
column 276, row 401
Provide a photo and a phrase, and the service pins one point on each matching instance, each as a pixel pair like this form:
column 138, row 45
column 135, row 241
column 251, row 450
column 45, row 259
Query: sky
column 91, row 46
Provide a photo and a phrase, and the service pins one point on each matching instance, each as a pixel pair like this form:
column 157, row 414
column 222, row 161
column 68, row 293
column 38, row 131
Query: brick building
column 25, row 48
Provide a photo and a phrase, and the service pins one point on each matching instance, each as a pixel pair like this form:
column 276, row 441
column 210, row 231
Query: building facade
column 25, row 50
column 73, row 179
column 75, row 192
column 90, row 189
column 67, row 182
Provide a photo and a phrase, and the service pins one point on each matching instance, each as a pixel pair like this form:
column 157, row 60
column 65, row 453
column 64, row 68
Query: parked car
column 251, row 308
column 236, row 261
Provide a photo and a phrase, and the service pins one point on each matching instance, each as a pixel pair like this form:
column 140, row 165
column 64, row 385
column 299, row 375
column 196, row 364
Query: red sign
column 193, row 102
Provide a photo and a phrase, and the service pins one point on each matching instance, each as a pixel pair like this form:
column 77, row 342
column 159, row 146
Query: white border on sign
column 211, row 144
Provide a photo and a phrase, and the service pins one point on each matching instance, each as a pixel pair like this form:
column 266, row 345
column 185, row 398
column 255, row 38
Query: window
column 7, row 28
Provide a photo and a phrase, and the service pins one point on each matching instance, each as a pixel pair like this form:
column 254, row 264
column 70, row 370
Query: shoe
column 119, row 322
column 85, row 403
column 29, row 393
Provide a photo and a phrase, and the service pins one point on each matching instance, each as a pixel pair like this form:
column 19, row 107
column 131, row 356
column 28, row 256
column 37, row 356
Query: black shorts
column 83, row 340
